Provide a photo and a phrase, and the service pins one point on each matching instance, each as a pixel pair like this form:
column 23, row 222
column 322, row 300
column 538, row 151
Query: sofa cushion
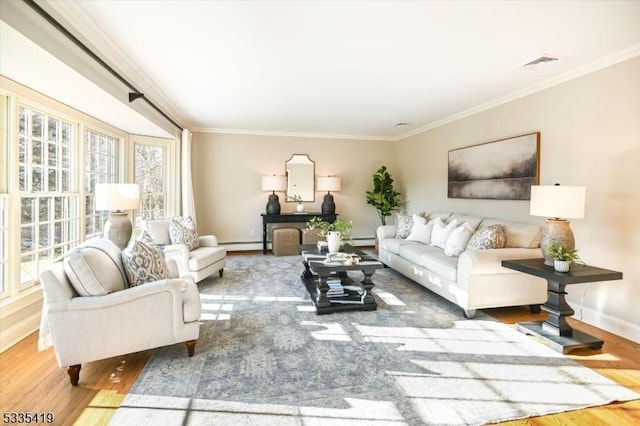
column 487, row 237
column 184, row 233
column 518, row 234
column 441, row 231
column 413, row 252
column 204, row 256
column 394, row 244
column 473, row 221
column 95, row 268
column 144, row 263
column 458, row 239
column 158, row 229
column 442, row 215
column 441, row 264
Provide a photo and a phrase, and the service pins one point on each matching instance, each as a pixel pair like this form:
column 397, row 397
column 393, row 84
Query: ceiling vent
column 540, row 60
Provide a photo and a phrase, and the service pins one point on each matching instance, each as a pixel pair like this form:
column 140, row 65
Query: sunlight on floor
column 101, row 409
column 331, row 331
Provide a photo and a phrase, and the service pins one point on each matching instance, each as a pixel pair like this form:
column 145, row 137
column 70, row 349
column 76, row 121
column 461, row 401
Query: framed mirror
column 300, row 171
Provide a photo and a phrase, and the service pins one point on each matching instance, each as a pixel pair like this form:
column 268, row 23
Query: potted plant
column 339, row 225
column 383, row 196
column 562, row 257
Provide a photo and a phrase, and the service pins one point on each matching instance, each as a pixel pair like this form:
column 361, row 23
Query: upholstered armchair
column 199, row 262
column 91, row 313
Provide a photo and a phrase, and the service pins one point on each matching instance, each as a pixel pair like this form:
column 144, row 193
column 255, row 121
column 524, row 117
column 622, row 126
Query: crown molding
column 293, row 134
column 605, row 62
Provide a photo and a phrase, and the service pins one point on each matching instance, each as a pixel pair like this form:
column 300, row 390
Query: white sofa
column 475, row 279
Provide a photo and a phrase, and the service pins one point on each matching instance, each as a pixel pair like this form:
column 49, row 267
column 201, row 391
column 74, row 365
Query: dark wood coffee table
column 316, row 273
column 555, row 330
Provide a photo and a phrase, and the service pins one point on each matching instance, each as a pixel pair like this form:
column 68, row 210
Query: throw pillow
column 488, row 237
column 441, row 231
column 403, row 225
column 421, row 230
column 95, row 268
column 146, row 238
column 457, row 240
column 184, row 233
column 144, row 264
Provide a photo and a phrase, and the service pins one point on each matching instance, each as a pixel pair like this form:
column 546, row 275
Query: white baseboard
column 606, row 322
column 19, row 331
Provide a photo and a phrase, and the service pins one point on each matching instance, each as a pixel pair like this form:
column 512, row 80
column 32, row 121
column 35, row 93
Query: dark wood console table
column 290, row 218
column 555, row 330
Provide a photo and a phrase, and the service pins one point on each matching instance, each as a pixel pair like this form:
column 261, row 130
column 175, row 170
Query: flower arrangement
column 562, row 253
column 295, row 197
column 339, row 225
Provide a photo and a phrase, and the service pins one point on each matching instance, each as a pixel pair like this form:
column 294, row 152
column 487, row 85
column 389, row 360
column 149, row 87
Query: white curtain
column 188, row 203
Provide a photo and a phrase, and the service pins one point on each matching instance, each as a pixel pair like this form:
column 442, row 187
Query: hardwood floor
column 32, row 381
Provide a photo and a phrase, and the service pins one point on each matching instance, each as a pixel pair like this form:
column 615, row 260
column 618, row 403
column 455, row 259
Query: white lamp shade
column 117, row 196
column 329, row 183
column 274, row 183
column 557, row 201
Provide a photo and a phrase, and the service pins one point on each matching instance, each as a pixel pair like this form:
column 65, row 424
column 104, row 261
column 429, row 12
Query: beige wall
column 590, row 136
column 227, row 170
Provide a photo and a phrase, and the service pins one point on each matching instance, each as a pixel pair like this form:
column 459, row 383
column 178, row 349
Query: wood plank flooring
column 32, row 381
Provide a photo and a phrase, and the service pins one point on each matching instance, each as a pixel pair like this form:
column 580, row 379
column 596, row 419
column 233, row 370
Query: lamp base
column 118, row 229
column 555, row 231
column 273, row 205
column 328, row 206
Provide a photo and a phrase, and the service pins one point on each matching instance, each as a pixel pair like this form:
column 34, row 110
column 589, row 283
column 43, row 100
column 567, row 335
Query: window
column 48, row 207
column 101, row 166
column 150, row 173
column 4, row 253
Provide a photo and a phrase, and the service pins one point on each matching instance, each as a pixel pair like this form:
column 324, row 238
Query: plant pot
column 333, row 241
column 300, row 208
column 561, row 265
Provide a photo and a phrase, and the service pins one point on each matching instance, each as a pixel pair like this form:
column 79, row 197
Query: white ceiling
column 348, row 68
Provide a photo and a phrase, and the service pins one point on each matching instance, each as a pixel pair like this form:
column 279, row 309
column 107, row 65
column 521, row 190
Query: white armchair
column 119, row 321
column 199, row 263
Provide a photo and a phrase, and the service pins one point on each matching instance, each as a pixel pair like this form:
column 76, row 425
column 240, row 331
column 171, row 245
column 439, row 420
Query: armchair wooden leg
column 221, row 271
column 74, row 374
column 191, row 347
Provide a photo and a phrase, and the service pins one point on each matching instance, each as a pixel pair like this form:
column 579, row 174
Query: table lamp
column 118, row 198
column 274, row 183
column 557, row 203
column 328, row 183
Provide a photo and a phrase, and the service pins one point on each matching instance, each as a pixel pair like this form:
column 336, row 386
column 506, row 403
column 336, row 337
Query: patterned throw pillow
column 457, row 240
column 488, row 237
column 184, row 233
column 144, row 264
column 146, row 238
column 403, row 225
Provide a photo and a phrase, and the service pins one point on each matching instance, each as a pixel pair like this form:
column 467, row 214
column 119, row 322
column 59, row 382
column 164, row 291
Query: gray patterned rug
column 265, row 357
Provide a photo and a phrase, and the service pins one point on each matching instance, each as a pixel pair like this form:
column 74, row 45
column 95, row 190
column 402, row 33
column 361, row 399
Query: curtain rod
column 96, row 58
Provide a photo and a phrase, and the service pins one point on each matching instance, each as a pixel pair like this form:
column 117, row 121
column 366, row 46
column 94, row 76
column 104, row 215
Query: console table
column 555, row 330
column 290, row 218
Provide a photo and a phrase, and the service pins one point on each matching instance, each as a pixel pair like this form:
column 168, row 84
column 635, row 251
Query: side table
column 555, row 330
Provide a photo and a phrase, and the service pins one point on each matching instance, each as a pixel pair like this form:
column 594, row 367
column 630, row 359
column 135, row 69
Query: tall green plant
column 383, row 197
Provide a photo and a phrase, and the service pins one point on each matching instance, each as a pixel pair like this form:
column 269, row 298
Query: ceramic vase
column 561, row 265
column 333, row 241
column 300, row 208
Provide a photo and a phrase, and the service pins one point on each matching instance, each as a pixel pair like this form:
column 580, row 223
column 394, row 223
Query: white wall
column 227, row 170
column 590, row 136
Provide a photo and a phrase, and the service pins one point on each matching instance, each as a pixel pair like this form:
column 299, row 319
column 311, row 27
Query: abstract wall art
column 499, row 170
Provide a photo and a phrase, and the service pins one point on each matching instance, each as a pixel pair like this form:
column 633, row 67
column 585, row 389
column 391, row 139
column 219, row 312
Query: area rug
column 265, row 357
